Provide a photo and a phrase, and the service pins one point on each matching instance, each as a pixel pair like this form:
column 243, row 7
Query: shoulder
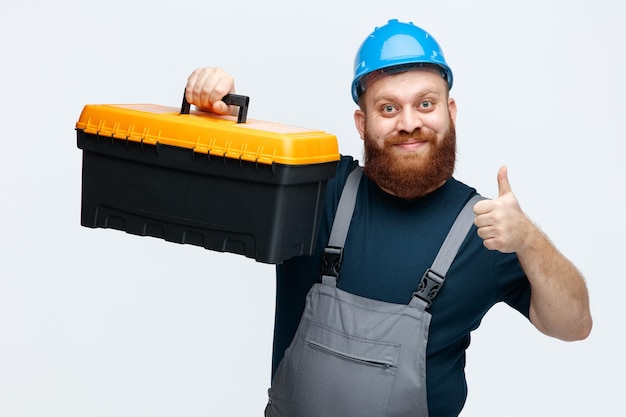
column 459, row 190
column 344, row 168
column 335, row 185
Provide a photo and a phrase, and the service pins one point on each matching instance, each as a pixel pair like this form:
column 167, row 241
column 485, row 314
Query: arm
column 207, row 86
column 559, row 303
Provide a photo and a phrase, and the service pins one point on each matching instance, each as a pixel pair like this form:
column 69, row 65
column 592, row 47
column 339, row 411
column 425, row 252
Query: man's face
column 407, row 124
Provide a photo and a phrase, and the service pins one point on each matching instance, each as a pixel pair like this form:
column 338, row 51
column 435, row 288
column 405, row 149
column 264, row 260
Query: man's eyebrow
column 394, row 98
column 385, row 97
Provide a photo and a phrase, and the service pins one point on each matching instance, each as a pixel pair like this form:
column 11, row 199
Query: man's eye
column 426, row 104
column 388, row 108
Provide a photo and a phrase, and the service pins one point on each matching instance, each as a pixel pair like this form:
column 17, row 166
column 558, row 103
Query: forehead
column 413, row 80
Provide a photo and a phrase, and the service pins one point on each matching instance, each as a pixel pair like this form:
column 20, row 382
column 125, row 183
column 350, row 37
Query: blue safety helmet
column 397, row 47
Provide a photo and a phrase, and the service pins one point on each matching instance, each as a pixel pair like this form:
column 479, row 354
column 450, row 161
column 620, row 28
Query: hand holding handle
column 231, row 100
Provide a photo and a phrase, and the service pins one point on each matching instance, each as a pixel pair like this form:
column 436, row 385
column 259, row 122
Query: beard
column 409, row 175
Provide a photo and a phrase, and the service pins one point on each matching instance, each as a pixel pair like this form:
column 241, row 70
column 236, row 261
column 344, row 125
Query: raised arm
column 559, row 304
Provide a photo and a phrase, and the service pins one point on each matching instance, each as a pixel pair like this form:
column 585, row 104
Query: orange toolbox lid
column 225, row 136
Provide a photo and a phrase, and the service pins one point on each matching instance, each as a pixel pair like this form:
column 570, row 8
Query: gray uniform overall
column 354, row 356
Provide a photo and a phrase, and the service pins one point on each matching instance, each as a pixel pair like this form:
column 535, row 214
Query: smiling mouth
column 411, row 145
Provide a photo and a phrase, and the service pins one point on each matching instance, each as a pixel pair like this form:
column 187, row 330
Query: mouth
column 411, row 145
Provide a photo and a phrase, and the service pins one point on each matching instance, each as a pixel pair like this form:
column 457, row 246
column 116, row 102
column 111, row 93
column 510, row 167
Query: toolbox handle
column 231, row 100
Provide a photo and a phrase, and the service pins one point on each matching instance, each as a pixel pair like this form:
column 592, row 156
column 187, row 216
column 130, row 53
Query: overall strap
column 434, row 277
column 333, row 253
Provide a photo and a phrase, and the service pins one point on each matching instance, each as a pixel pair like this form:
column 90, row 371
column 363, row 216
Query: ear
column 359, row 121
column 452, row 109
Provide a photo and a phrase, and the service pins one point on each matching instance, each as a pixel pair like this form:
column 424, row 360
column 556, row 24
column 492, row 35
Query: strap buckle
column 429, row 286
column 331, row 261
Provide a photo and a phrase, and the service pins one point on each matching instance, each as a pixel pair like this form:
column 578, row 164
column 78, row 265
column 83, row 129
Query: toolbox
column 225, row 183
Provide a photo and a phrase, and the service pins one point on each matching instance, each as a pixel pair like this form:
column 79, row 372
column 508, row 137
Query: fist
column 501, row 223
column 207, row 86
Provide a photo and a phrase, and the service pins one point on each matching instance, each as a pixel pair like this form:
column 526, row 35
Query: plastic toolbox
column 225, row 183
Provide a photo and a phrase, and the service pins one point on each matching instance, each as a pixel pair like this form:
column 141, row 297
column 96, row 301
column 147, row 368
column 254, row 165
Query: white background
column 97, row 322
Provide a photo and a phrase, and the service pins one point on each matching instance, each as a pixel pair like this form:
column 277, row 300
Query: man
column 406, row 203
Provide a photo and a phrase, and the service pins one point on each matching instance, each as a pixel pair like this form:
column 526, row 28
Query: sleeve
column 513, row 285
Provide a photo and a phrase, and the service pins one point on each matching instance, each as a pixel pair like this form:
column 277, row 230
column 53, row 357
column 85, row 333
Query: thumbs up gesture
column 501, row 223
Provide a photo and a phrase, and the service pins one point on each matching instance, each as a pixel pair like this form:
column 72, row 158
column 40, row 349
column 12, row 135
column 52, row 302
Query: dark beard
column 411, row 176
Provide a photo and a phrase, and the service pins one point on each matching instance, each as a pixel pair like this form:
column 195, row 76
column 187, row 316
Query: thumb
column 503, row 182
column 219, row 107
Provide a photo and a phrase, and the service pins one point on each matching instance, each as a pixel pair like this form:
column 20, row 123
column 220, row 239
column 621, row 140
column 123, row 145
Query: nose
column 409, row 120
